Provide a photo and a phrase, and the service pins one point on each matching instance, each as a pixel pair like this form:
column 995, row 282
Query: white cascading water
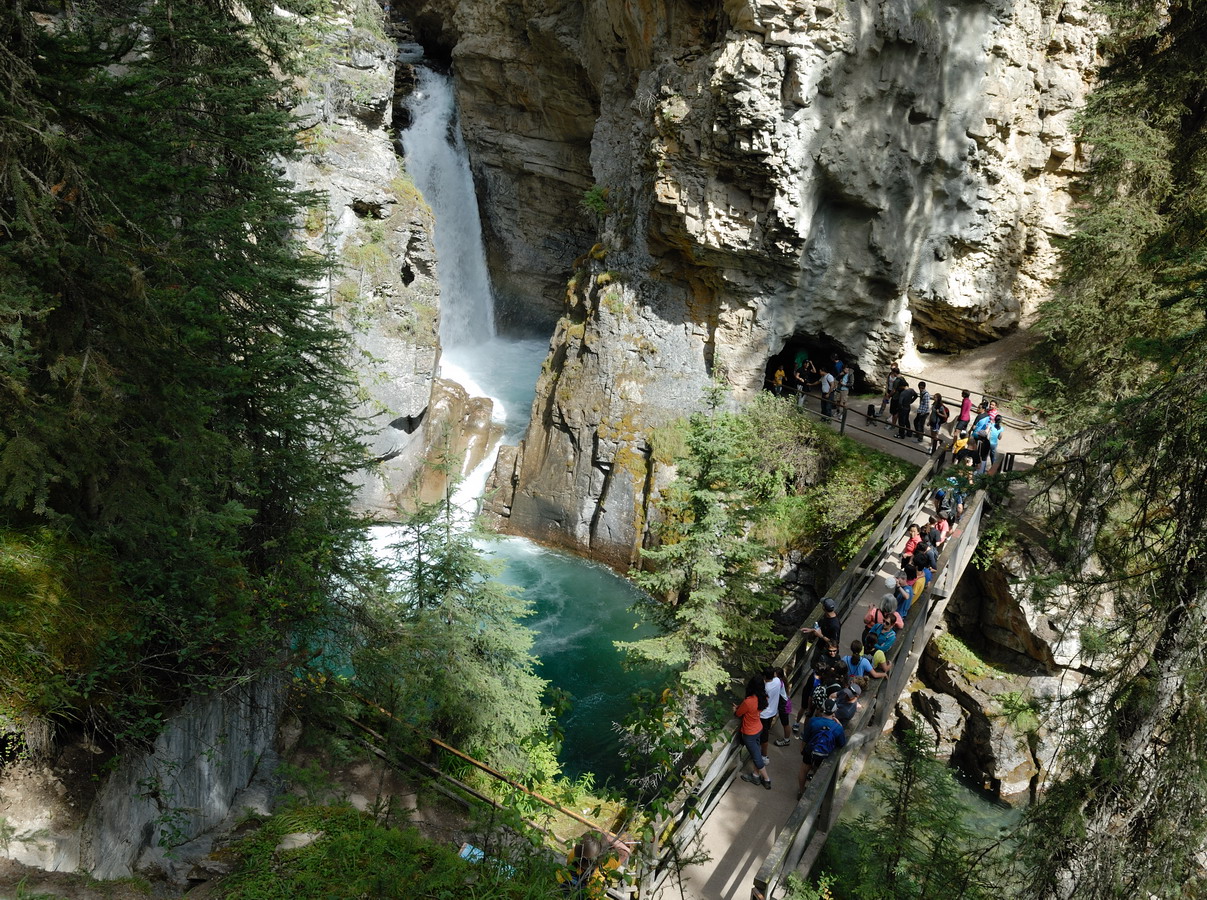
column 573, row 639
column 437, row 161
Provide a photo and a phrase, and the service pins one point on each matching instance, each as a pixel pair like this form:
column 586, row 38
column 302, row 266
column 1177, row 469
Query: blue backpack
column 822, row 742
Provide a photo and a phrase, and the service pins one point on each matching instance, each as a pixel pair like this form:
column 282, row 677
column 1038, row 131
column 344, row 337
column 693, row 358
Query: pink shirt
column 965, row 409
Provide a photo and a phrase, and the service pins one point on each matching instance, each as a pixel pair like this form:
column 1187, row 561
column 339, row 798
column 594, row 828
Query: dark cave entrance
column 796, row 352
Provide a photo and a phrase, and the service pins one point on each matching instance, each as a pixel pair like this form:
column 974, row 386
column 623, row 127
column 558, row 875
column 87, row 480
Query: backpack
column 822, row 692
column 822, row 742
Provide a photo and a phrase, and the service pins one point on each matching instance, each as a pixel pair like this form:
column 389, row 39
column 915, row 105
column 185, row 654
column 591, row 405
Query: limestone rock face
column 384, row 289
column 160, row 808
column 996, row 605
column 992, row 736
column 870, row 177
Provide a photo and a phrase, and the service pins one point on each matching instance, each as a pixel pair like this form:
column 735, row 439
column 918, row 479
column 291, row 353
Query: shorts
column 765, row 734
column 753, row 743
column 812, row 758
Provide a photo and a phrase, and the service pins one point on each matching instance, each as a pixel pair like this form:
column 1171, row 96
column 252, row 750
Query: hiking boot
column 767, row 783
column 753, row 779
column 783, row 742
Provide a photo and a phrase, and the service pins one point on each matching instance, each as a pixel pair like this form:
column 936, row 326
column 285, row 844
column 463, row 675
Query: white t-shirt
column 774, row 688
column 827, row 383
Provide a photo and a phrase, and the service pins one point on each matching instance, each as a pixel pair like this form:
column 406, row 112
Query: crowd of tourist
column 973, row 434
column 832, row 690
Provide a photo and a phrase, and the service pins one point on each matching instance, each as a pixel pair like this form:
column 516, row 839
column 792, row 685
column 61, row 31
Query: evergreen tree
column 450, row 649
column 174, row 397
column 1126, row 476
column 707, row 593
column 917, row 844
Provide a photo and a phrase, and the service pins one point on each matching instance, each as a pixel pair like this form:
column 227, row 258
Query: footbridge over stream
column 754, row 837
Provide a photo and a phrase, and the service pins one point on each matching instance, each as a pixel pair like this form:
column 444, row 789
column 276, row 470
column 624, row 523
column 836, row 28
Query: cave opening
column 794, row 357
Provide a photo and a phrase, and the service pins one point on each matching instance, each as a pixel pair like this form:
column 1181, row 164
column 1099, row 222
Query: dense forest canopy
column 1125, row 477
column 178, row 427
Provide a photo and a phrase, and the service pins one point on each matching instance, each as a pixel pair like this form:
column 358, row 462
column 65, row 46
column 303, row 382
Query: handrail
column 1014, row 421
column 800, row 841
column 494, row 773
column 715, row 768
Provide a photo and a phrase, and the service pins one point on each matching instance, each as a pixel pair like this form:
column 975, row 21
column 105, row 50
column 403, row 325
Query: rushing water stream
column 579, row 608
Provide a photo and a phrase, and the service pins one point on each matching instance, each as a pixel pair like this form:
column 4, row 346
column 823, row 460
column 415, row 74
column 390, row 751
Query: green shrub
column 354, row 856
column 595, row 200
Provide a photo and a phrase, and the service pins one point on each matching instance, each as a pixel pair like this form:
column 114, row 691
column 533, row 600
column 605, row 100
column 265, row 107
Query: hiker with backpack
column 826, row 679
column 890, row 385
column 886, row 611
column 846, row 381
column 822, row 736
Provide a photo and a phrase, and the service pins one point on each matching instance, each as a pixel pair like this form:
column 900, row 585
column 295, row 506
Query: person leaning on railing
column 828, row 628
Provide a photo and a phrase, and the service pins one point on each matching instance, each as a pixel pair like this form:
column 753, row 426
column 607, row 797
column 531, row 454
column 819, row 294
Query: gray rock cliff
column 870, row 177
column 369, row 215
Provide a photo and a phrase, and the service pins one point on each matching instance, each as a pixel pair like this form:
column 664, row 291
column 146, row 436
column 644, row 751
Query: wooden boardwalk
column 755, row 837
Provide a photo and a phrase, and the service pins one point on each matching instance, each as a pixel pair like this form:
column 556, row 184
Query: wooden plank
column 870, row 721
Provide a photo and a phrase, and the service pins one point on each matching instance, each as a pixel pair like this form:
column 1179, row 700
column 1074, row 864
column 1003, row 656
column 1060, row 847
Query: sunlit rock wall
column 875, row 177
column 369, row 216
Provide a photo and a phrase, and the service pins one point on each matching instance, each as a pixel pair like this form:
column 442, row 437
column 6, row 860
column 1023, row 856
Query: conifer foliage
column 1128, row 477
column 174, row 399
column 707, row 592
column 917, row 844
column 450, row 652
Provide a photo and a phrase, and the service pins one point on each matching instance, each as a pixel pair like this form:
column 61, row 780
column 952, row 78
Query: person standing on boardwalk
column 767, row 717
column 829, row 629
column 750, row 712
column 991, row 434
column 965, row 417
column 904, row 401
column 822, row 736
column 846, row 381
column 923, row 412
column 777, row 381
column 939, row 413
column 827, row 394
column 890, row 385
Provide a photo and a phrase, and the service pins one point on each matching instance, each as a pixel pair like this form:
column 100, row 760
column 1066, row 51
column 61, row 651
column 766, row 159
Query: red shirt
column 748, row 712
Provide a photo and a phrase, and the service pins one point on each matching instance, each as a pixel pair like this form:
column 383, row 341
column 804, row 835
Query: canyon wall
column 873, row 178
column 383, row 287
column 159, row 808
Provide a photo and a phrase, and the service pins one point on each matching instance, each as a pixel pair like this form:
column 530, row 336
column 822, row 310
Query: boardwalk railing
column 799, row 843
column 716, row 767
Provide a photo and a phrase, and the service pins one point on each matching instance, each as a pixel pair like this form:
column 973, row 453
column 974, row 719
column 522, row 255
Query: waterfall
column 437, row 161
column 574, row 640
